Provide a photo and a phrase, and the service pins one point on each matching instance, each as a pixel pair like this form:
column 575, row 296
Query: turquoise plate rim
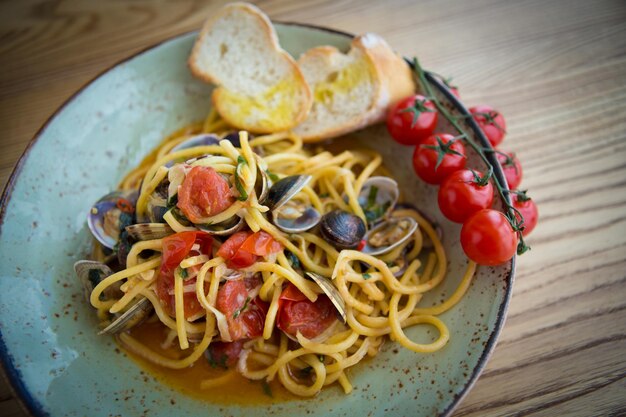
column 33, row 406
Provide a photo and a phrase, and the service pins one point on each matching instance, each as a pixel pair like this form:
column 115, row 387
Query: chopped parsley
column 372, row 210
column 243, row 195
column 266, row 388
column 366, row 276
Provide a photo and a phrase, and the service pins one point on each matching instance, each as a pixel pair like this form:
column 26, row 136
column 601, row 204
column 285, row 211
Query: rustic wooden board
column 556, row 70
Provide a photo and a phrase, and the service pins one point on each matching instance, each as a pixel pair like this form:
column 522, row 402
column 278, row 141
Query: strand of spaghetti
column 133, row 254
column 268, row 285
column 390, row 281
column 278, row 236
column 325, row 348
column 340, row 283
column 351, row 360
column 400, row 337
column 334, row 194
column 367, row 172
column 271, row 138
column 179, row 307
column 146, row 353
column 361, row 328
column 270, row 317
column 138, row 286
column 94, row 298
column 303, row 390
column 194, row 260
column 303, row 285
column 345, row 383
column 353, row 199
column 455, row 297
column 217, row 382
column 165, row 318
column 148, row 188
column 175, row 224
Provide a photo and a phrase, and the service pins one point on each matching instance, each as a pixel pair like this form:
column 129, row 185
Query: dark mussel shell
column 342, row 229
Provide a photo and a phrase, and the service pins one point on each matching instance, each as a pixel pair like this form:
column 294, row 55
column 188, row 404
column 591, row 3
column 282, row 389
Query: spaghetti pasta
column 227, row 277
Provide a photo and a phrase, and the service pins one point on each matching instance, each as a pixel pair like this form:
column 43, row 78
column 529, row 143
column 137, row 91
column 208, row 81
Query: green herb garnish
column 293, row 260
column 366, row 276
column 266, row 388
column 272, row 176
column 243, row 195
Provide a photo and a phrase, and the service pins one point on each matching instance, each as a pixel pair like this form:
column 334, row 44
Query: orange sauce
column 236, row 390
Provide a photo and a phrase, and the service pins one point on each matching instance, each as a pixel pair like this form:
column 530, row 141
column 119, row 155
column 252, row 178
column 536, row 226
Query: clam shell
column 332, row 292
column 149, row 231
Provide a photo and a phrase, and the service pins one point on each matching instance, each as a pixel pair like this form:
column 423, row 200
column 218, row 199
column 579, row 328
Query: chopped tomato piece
column 203, row 193
column 297, row 314
column 234, row 242
column 224, row 354
column 245, row 316
column 176, row 248
column 261, row 243
column 243, row 248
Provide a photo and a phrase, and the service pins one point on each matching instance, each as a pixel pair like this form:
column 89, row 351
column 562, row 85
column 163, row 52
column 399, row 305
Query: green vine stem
column 512, row 212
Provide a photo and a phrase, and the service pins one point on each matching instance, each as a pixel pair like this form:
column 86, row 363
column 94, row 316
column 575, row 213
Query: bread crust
column 209, row 76
column 394, row 82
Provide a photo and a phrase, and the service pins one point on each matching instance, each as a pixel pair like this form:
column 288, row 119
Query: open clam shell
column 332, row 292
column 89, row 274
column 149, row 231
column 137, row 313
column 378, row 197
column 225, row 228
column 285, row 189
column 110, row 214
column 388, row 235
column 303, row 221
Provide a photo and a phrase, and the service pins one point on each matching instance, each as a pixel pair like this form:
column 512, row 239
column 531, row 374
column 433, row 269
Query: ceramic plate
column 51, row 353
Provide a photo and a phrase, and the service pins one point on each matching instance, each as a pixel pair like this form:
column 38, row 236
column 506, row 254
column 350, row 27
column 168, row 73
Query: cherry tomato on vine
column 488, row 238
column 412, row 120
column 528, row 208
column 511, row 167
column 437, row 157
column 491, row 122
column 463, row 193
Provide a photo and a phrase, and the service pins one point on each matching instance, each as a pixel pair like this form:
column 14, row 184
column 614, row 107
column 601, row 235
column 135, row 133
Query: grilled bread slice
column 352, row 90
column 260, row 87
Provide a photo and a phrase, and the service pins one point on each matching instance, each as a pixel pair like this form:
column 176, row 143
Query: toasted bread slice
column 260, row 86
column 352, row 90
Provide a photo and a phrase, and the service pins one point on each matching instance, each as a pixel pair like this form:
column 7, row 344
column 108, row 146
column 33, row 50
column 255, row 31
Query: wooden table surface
column 555, row 69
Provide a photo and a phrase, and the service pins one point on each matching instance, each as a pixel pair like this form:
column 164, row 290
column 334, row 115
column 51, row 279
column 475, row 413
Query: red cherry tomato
column 488, row 238
column 224, row 354
column 234, row 256
column 462, row 195
column 412, row 120
column 512, row 169
column 242, row 249
column 491, row 122
column 261, row 243
column 528, row 208
column 176, row 248
column 437, row 157
column 297, row 314
column 203, row 193
column 245, row 316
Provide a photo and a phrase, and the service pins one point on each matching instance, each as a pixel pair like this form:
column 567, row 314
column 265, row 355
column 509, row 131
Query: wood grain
column 556, row 70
